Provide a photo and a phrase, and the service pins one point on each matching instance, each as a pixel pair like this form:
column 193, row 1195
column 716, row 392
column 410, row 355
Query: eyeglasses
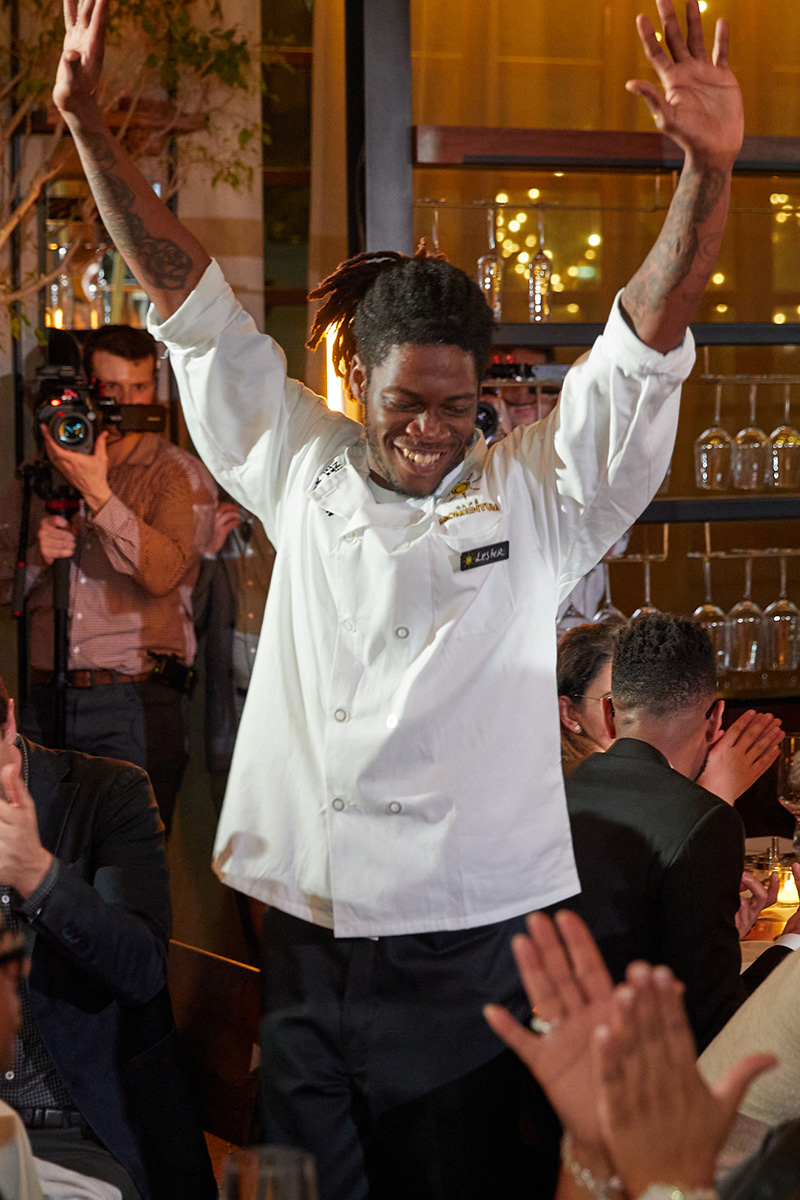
column 605, row 696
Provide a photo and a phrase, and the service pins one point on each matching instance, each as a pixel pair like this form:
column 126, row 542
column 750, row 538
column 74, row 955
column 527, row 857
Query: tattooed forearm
column 668, row 287
column 163, row 263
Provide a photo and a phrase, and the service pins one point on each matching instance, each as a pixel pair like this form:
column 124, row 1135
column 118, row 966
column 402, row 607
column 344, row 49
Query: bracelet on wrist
column 669, row 1191
column 603, row 1189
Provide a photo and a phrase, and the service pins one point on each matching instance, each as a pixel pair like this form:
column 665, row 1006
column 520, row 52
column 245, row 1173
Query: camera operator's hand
column 88, row 473
column 56, row 539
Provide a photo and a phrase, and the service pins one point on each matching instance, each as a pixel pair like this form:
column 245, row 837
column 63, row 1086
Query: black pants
column 143, row 723
column 80, row 1150
column 377, row 1059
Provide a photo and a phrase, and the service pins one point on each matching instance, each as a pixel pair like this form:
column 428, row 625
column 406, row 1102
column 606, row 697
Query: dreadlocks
column 382, row 299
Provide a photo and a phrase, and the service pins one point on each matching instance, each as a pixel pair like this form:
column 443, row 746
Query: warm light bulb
column 594, row 239
column 334, row 387
column 534, row 194
column 718, row 277
column 501, row 198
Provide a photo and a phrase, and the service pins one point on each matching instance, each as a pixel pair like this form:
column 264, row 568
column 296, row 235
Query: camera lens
column 486, row 420
column 71, row 430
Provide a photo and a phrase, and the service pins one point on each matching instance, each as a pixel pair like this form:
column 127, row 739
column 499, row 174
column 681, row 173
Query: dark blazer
column 660, row 861
column 99, row 966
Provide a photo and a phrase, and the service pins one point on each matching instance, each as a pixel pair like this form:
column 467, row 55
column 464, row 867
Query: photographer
column 147, row 513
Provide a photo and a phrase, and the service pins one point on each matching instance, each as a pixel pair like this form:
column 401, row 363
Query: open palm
column 700, row 106
column 82, row 55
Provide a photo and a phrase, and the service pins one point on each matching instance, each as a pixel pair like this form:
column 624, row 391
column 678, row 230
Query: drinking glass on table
column 269, row 1173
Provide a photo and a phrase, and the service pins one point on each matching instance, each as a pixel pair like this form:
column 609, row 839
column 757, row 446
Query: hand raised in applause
column 752, row 904
column 226, row 518
column 88, row 473
column 741, row 754
column 660, row 1120
column 700, row 106
column 24, row 862
column 82, row 56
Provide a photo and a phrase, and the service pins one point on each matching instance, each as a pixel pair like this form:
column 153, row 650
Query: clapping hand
column 700, row 106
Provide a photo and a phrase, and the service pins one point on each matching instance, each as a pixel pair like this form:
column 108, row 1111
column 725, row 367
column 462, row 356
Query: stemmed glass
column 783, row 451
column 648, row 606
column 782, row 623
column 539, row 272
column 789, row 783
column 607, row 611
column 714, row 621
column 712, row 452
column 750, row 452
column 745, row 628
column 490, row 271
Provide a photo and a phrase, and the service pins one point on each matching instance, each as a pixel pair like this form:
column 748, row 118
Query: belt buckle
column 53, row 1118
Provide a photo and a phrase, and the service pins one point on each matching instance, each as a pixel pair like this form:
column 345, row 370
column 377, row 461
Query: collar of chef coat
column 341, row 489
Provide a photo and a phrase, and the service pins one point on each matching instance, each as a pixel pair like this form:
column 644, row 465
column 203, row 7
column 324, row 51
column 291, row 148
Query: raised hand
column 741, row 754
column 568, row 984
column 750, row 907
column 88, row 473
column 660, row 1120
column 700, row 106
column 82, row 56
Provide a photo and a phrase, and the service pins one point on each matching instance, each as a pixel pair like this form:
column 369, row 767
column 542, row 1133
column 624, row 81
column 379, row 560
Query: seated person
column 660, row 858
column 618, row 1066
column 95, row 1077
column 739, row 756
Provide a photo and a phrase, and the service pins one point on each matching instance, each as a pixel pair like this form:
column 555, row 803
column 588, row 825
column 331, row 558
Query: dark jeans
column 80, row 1150
column 143, row 723
column 377, row 1059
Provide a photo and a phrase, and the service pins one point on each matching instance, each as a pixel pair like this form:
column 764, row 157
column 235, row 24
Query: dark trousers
column 377, row 1059
column 79, row 1150
column 143, row 723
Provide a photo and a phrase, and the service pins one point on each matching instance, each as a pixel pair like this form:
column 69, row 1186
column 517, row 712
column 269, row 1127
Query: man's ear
column 357, row 380
column 609, row 720
column 715, row 721
column 10, row 727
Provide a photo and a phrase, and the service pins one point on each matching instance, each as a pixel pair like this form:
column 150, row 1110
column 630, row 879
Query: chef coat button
column 392, row 721
column 394, row 807
column 338, row 805
column 401, row 631
column 349, row 625
column 341, row 714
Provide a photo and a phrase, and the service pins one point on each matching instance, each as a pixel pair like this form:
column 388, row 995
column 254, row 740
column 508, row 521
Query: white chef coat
column 398, row 763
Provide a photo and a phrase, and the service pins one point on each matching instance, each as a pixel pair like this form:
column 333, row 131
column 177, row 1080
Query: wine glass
column 782, row 624
column 712, row 453
column 714, row 621
column 745, row 628
column 572, row 617
column 789, row 783
column 607, row 611
column 490, row 271
column 539, row 272
column 783, row 451
column 269, row 1173
column 648, row 606
column 750, row 452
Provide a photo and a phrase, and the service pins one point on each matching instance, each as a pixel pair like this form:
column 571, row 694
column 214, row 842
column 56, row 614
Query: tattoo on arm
column 165, row 264
column 680, row 247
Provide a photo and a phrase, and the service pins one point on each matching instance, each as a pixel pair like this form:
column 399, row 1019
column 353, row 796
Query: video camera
column 73, row 410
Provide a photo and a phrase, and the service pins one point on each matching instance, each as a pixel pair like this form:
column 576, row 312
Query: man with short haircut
column 95, row 1076
column 660, row 859
column 395, row 795
column 135, row 546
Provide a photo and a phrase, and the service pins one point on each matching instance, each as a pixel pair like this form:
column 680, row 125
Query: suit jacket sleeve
column 109, row 913
column 699, row 930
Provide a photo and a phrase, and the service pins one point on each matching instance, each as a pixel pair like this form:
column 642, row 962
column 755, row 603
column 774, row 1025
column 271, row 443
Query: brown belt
column 87, row 679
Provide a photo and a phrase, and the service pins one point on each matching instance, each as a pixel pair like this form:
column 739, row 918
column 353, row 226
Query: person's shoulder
column 84, row 769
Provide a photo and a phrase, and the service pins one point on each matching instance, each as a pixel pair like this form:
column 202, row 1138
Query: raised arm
column 700, row 108
column 166, row 259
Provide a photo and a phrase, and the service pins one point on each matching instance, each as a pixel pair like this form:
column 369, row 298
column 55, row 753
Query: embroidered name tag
column 482, row 556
